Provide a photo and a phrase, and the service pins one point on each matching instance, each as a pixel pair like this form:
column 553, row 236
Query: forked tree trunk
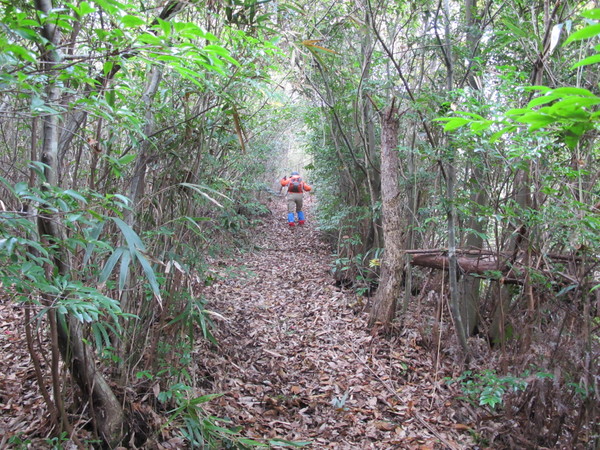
column 390, row 284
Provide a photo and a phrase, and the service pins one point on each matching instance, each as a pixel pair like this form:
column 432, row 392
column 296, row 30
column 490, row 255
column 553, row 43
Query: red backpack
column 296, row 185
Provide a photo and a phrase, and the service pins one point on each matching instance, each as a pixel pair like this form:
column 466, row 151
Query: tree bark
column 107, row 411
column 453, row 275
column 390, row 285
column 470, row 286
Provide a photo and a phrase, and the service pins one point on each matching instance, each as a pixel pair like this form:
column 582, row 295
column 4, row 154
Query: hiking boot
column 301, row 222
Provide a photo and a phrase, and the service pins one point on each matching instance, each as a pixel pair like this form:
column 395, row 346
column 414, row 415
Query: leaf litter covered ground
column 296, row 360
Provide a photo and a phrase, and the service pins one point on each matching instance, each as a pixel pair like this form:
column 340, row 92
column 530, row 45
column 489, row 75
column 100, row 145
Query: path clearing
column 297, row 362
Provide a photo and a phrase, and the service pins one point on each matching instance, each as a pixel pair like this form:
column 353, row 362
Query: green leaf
column 130, row 21
column 124, row 270
column 585, row 33
column 107, row 67
column 284, row 443
column 570, row 106
column 110, row 264
column 126, row 159
column 252, row 442
column 536, row 119
column 20, row 52
column 568, row 91
column 200, row 190
column 150, row 275
column 204, row 399
column 516, row 112
column 212, row 48
column 148, row 38
column 86, row 8
column 455, row 123
column 111, row 6
column 133, row 240
column 477, row 127
column 542, row 100
column 516, row 30
column 542, row 89
column 594, row 59
column 291, row 7
column 593, row 14
column 165, row 27
column 9, row 186
column 75, row 195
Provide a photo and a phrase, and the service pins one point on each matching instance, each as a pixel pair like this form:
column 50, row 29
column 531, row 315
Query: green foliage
column 201, row 430
column 565, row 112
column 27, row 260
column 194, row 315
column 488, row 389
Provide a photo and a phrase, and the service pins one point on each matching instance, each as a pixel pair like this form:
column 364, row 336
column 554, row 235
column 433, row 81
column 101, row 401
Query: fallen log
column 486, row 266
column 490, row 265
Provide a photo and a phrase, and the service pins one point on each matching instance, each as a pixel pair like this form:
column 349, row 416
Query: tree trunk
column 106, row 410
column 453, row 274
column 136, row 190
column 470, row 286
column 523, row 199
column 390, row 284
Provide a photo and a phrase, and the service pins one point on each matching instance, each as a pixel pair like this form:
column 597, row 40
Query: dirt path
column 297, row 362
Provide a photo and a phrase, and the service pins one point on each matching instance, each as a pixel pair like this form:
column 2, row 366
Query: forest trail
column 297, row 361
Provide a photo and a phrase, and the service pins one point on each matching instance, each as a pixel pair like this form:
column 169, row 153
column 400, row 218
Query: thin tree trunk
column 411, row 210
column 136, row 190
column 451, row 214
column 470, row 286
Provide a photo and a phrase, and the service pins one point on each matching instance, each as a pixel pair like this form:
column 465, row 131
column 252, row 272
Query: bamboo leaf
column 150, row 275
column 585, row 33
column 133, row 240
column 93, row 236
column 593, row 14
column 125, row 261
column 110, row 264
column 200, row 190
column 498, row 134
column 284, row 443
column 516, row 30
column 594, row 59
column 312, row 44
column 204, row 399
column 75, row 195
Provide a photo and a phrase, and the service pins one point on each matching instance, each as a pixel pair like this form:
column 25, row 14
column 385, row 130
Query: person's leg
column 299, row 205
column 291, row 209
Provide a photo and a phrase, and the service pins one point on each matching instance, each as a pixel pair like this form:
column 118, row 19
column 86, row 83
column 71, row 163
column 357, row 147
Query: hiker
column 296, row 188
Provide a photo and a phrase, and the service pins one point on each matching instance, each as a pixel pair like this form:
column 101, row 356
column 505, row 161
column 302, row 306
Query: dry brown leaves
column 296, row 362
column 22, row 407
